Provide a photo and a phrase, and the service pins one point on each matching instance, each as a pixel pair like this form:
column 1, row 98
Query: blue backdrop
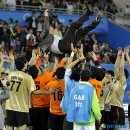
column 116, row 36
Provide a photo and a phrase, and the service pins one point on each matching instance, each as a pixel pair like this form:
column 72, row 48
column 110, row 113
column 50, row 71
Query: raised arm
column 80, row 58
column 127, row 55
column 74, row 51
column 122, row 65
column 46, row 24
column 94, row 58
column 11, row 57
column 2, row 62
column 117, row 63
column 33, row 58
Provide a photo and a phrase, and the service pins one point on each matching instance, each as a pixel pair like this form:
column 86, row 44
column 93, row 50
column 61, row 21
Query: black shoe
column 88, row 10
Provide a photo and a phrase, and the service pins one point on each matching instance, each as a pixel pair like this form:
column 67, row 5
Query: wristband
column 72, row 54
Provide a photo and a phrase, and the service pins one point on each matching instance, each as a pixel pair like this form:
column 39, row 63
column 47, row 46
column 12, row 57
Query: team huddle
column 68, row 94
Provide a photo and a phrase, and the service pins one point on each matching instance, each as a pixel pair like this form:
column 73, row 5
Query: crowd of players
column 68, row 94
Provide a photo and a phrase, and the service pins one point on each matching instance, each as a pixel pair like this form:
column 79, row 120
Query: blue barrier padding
column 116, row 36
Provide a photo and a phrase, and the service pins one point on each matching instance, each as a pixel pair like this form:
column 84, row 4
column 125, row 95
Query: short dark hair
column 60, row 72
column 20, row 62
column 110, row 72
column 33, row 71
column 86, row 75
column 100, row 74
column 75, row 75
column 93, row 71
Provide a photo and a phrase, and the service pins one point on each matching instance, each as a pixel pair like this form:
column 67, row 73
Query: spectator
column 57, row 4
column 36, row 3
column 18, row 4
column 11, row 4
column 5, row 36
column 70, row 8
column 22, row 38
column 26, row 2
column 30, row 34
column 31, row 42
column 63, row 4
column 5, row 68
column 127, row 10
column 17, row 28
column 38, row 38
column 32, row 24
column 121, row 13
column 50, row 5
column 40, row 22
column 18, row 46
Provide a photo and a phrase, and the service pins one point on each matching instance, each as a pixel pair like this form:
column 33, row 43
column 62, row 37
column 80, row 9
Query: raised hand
column 126, row 50
column 11, row 56
column 82, row 58
column 119, row 51
column 46, row 12
column 46, row 57
column 93, row 56
column 80, row 51
column 73, row 49
column 34, row 53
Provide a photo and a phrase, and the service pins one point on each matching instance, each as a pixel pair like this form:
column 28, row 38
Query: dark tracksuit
column 73, row 34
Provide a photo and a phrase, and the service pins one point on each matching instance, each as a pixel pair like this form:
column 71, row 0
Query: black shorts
column 129, row 112
column 30, row 117
column 17, row 119
column 56, row 122
column 67, row 125
column 117, row 115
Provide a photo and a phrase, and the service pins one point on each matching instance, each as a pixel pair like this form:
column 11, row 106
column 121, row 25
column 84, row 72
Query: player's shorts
column 117, row 115
column 56, row 121
column 17, row 119
column 30, row 117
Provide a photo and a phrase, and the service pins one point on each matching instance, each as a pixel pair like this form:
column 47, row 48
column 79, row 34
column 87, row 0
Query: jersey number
column 59, row 95
column 15, row 83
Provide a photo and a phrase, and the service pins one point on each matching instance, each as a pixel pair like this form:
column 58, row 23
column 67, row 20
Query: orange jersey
column 55, row 99
column 41, row 100
column 38, row 62
column 98, row 86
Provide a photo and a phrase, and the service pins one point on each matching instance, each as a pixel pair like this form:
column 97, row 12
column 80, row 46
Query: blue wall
column 116, row 36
